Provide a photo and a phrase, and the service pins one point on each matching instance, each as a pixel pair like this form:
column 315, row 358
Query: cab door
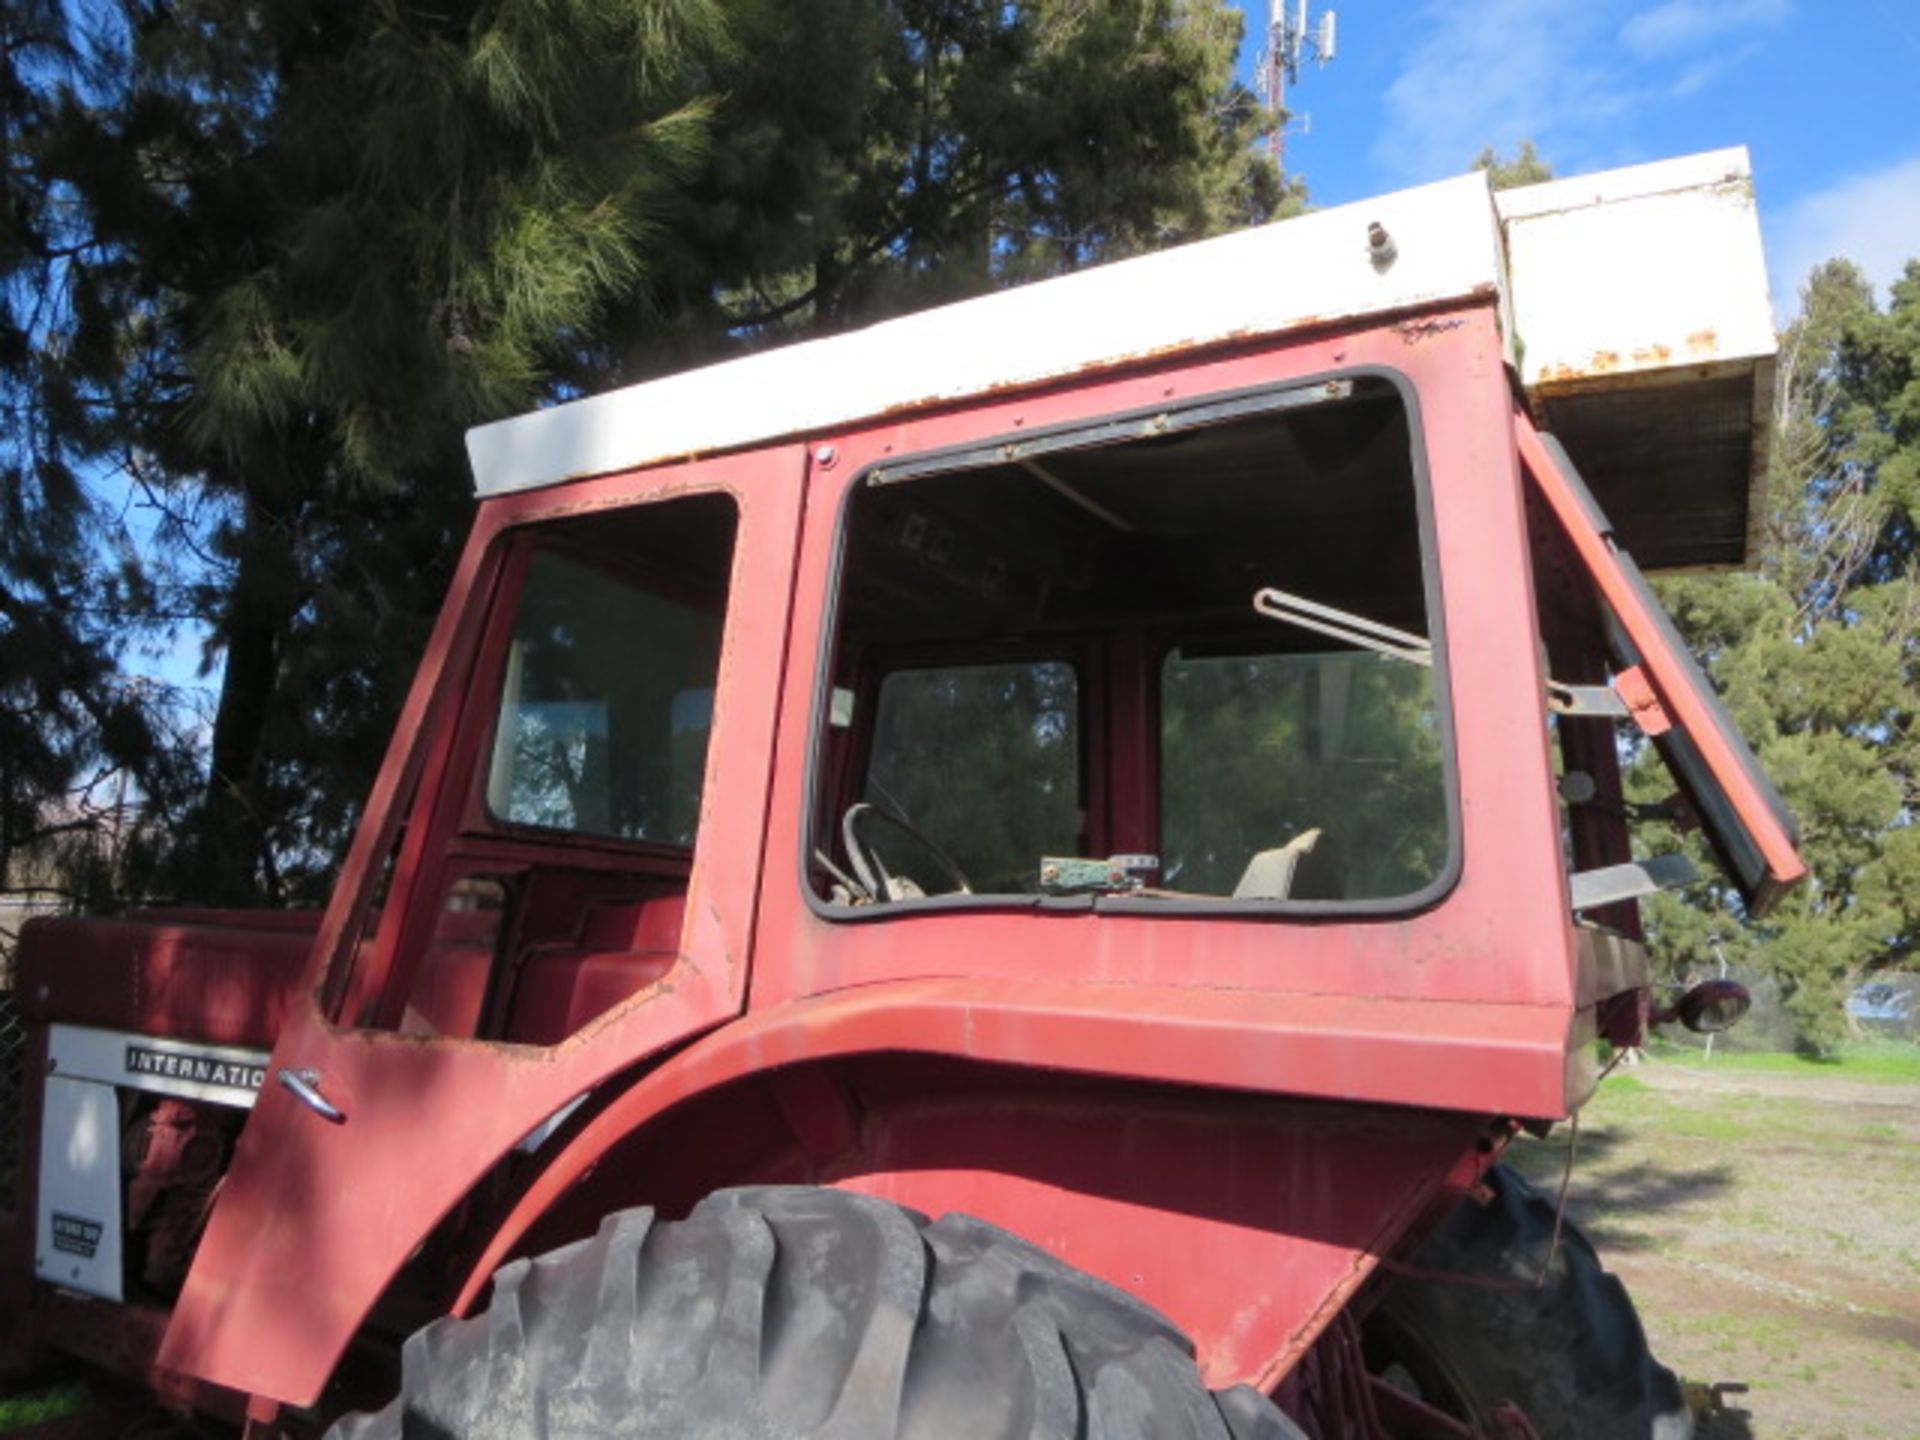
column 554, row 882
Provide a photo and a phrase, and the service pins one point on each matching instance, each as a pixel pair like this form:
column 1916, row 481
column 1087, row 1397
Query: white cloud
column 1701, row 74
column 1495, row 74
column 1682, row 25
column 1567, row 74
column 1871, row 218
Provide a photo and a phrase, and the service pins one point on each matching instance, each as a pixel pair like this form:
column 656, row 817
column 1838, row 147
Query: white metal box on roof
column 1643, row 332
column 1634, row 302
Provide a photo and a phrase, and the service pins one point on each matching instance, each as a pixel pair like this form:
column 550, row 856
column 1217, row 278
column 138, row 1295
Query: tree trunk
column 229, row 863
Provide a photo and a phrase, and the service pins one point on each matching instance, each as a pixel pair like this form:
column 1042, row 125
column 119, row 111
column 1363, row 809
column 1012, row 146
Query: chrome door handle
column 304, row 1086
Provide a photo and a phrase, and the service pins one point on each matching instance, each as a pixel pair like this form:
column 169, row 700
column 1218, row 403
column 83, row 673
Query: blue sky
column 1825, row 93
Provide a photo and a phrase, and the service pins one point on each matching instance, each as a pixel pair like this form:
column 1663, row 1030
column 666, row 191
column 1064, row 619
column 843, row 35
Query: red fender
column 1250, row 1220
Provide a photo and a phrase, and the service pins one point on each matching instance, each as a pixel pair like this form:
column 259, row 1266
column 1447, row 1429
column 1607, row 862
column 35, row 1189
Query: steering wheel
column 872, row 871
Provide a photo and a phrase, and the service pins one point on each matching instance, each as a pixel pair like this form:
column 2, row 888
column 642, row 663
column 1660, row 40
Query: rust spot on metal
column 1412, row 332
column 1653, row 355
column 1703, row 342
column 1600, row 363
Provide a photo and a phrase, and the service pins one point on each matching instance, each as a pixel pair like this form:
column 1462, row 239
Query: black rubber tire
column 1570, row 1352
column 788, row 1312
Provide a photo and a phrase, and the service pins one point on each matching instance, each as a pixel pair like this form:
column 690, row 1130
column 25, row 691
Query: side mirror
column 1709, row 1007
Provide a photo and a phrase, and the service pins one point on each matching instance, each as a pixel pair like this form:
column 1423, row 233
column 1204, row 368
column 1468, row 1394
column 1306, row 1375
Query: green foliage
column 1252, row 760
column 307, row 247
column 71, row 728
column 43, row 1407
column 266, row 262
column 1525, row 168
column 878, row 158
column 1818, row 654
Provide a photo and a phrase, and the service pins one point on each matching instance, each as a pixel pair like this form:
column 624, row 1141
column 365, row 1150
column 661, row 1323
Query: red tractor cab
column 932, row 875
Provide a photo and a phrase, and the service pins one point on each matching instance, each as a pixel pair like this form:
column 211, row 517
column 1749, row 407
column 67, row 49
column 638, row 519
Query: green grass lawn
column 1870, row 1061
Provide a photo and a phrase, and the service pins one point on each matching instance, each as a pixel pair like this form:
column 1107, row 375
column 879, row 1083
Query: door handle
column 304, row 1086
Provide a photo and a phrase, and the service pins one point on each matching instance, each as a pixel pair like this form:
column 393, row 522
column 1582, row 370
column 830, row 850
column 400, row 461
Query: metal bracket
column 1611, row 884
column 1365, row 634
column 1583, row 701
column 1643, row 705
column 1356, row 630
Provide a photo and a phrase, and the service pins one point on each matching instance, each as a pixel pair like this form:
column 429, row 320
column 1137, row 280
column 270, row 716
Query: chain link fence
column 13, row 1082
column 16, row 908
column 1883, row 1010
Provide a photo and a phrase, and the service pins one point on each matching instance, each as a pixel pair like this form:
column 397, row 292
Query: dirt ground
column 1768, row 1227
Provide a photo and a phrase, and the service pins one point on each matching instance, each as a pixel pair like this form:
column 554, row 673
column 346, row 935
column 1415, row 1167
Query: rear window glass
column 1336, row 754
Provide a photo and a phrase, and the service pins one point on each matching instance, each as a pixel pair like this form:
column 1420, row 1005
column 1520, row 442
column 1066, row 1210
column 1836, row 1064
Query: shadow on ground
column 1608, row 1203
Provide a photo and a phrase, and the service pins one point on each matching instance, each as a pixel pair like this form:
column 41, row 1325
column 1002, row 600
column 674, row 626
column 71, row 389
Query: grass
column 21, row 1412
column 1869, row 1061
column 1668, row 1125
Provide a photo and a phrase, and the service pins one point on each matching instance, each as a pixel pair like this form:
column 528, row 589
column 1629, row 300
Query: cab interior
column 1049, row 676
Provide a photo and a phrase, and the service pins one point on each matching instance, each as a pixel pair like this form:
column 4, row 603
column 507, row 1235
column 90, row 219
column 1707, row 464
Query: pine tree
column 1818, row 654
column 1525, row 168
column 881, row 157
column 75, row 735
column 313, row 244
column 322, row 243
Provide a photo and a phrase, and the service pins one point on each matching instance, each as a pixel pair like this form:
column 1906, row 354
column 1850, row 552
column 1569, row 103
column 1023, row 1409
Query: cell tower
column 1290, row 39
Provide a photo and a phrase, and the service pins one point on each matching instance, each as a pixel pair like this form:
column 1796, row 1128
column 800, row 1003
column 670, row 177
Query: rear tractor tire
column 1569, row 1352
column 788, row 1312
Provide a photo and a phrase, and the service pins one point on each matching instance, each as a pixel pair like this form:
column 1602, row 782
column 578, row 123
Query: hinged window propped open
column 1744, row 817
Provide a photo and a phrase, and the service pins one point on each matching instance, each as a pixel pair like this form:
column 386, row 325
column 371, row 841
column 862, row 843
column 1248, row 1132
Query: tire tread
column 1569, row 1350
column 786, row 1313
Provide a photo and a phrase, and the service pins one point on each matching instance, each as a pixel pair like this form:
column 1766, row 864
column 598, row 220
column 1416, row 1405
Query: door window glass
column 592, row 719
column 606, row 706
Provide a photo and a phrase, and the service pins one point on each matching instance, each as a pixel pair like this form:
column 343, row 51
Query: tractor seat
column 1307, row 867
column 621, row 948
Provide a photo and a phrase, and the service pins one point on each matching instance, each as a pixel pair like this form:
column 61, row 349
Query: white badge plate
column 221, row 1074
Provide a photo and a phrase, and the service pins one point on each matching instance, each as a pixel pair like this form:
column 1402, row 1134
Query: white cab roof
column 1308, row 271
column 1630, row 276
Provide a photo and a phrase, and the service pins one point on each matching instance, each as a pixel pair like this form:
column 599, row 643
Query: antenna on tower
column 1290, row 39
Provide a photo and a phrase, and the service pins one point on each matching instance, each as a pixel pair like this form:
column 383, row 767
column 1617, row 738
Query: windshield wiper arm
column 1365, row 634
column 1356, row 630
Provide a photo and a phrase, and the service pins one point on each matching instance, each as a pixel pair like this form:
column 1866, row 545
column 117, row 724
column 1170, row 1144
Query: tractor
column 1009, row 873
